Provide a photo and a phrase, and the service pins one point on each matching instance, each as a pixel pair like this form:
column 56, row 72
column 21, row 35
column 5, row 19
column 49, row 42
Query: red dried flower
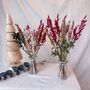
column 54, row 35
column 19, row 29
column 49, row 22
column 27, row 27
column 40, row 30
column 44, row 38
column 78, row 29
column 65, row 17
column 67, row 28
column 53, row 30
column 75, row 30
column 57, row 24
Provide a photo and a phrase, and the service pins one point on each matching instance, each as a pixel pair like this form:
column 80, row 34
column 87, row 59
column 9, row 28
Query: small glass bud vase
column 33, row 66
column 62, row 70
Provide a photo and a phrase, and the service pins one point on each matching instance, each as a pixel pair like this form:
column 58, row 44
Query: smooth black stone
column 3, row 75
column 27, row 65
column 17, row 73
column 0, row 78
column 10, row 73
column 21, row 68
column 15, row 69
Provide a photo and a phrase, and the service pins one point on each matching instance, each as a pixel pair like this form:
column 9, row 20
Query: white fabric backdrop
column 30, row 12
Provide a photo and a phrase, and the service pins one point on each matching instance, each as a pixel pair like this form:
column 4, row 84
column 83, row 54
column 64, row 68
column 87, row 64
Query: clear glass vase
column 62, row 70
column 33, row 67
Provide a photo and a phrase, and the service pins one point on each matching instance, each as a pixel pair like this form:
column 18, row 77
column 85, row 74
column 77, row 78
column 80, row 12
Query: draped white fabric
column 45, row 79
column 30, row 12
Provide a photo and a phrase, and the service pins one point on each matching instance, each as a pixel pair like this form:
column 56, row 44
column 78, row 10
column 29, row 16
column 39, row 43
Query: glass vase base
column 63, row 70
column 33, row 68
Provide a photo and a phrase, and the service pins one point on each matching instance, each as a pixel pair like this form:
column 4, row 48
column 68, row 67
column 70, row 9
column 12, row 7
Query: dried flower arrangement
column 63, row 37
column 31, row 41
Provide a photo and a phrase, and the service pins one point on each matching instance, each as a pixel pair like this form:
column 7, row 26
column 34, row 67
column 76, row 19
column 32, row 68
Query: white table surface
column 45, row 79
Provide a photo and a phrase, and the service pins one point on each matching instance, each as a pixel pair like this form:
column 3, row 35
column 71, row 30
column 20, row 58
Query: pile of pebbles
column 16, row 70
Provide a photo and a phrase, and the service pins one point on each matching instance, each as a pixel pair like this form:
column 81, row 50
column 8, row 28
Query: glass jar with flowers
column 30, row 42
column 63, row 37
